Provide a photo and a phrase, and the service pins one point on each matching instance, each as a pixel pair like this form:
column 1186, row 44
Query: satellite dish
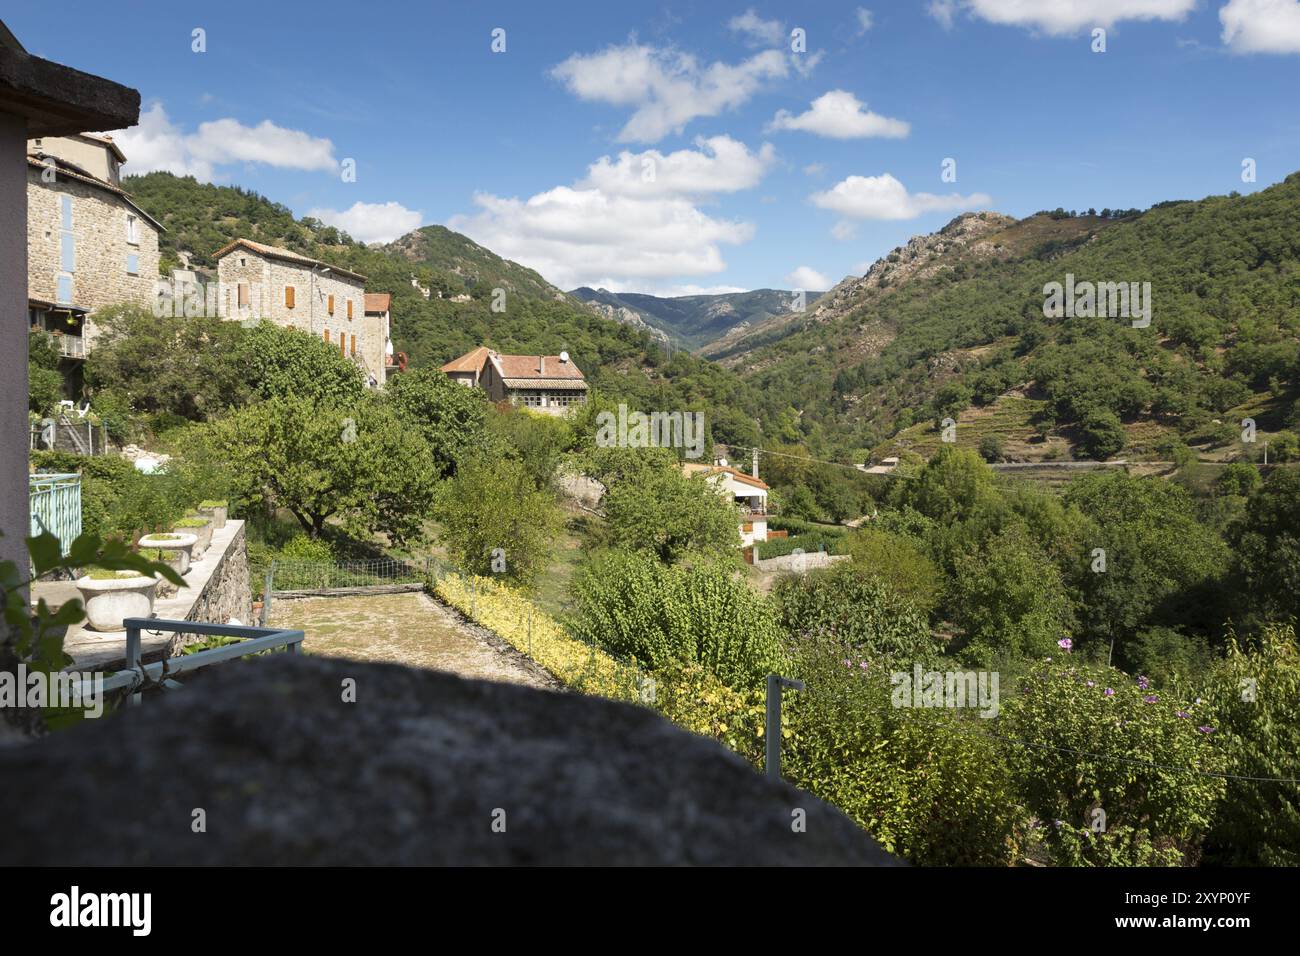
column 564, row 356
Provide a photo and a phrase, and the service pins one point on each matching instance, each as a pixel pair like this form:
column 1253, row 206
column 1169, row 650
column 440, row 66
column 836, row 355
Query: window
column 132, row 264
column 132, row 230
column 531, row 399
column 354, row 345
column 327, row 335
column 349, row 310
column 243, row 295
column 68, row 252
column 288, row 296
column 329, row 307
column 64, row 293
column 242, row 262
column 66, row 203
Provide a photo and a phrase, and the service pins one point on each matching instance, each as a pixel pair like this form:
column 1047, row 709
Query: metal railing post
column 775, row 683
column 133, row 655
column 266, row 594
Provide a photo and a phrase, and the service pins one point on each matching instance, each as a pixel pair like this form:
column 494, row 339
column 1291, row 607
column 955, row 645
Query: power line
column 820, row 461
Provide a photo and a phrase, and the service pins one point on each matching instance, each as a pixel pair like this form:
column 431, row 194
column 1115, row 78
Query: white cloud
column 721, row 165
column 583, row 236
column 371, row 221
column 844, row 230
column 158, row 143
column 865, row 20
column 808, row 279
column 758, row 30
column 841, row 115
column 667, row 89
column 884, row 197
column 814, row 169
column 944, row 11
column 1058, row 17
column 1261, row 26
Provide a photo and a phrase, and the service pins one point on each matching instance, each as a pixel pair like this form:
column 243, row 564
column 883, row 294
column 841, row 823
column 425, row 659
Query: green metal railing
column 55, row 506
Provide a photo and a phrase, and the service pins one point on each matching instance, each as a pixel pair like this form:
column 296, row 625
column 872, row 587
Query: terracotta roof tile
column 378, row 301
column 469, row 362
column 275, row 252
column 537, row 367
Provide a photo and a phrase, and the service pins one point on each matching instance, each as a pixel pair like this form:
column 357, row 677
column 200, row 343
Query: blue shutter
column 64, row 294
column 68, row 252
column 67, row 211
column 133, row 264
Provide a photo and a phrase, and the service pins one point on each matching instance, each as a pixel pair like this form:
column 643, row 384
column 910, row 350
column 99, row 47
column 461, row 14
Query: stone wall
column 799, row 562
column 228, row 593
column 99, row 228
column 268, row 277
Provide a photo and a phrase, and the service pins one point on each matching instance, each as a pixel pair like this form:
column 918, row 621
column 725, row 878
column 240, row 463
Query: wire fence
column 293, row 576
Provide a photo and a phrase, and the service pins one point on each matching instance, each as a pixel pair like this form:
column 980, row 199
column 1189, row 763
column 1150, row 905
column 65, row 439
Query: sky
column 684, row 148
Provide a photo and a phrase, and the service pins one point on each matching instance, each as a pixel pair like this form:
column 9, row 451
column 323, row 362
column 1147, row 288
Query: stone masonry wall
column 99, row 229
column 228, row 593
column 271, row 276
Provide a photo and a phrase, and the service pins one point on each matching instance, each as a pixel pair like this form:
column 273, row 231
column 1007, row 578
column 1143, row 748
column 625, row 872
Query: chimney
column 541, row 365
column 754, row 465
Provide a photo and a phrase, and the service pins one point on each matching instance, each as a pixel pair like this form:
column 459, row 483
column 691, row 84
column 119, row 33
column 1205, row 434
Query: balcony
column 71, row 346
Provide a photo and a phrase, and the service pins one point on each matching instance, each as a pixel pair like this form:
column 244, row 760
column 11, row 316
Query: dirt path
column 411, row 629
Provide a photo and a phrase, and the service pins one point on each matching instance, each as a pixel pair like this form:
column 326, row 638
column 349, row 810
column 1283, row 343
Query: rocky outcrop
column 424, row 768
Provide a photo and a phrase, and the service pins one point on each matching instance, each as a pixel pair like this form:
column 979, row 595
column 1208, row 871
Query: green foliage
column 992, row 448
column 665, row 513
column 810, row 543
column 1268, row 546
column 354, row 463
column 495, row 521
column 450, row 417
column 1252, row 698
column 536, row 440
column 898, row 561
column 923, row 783
column 856, row 609
column 281, row 363
column 1238, row 478
column 667, row 617
column 1098, row 741
column 44, row 383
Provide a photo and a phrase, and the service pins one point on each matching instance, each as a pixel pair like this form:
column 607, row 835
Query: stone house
column 543, row 383
column 747, row 491
column 89, row 244
column 378, row 307
column 257, row 281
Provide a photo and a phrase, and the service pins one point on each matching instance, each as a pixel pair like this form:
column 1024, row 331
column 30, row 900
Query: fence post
column 266, row 594
column 774, row 685
column 133, row 656
column 473, row 599
column 530, row 628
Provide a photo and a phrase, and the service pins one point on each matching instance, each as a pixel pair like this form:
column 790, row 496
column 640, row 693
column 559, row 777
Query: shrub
column 856, row 609
column 898, row 561
column 673, row 616
column 1096, row 740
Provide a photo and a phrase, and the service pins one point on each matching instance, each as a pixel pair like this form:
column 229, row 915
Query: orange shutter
column 243, row 294
column 288, row 297
column 354, row 345
column 349, row 310
column 343, row 344
column 327, row 335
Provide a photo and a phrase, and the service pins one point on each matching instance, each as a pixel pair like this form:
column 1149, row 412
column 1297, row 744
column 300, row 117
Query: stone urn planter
column 216, row 510
column 110, row 597
column 201, row 528
column 177, row 549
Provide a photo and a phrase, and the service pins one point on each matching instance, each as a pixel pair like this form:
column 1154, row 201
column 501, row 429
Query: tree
column 495, row 520
column 356, row 463
column 991, row 448
column 450, row 417
column 281, row 362
column 662, row 511
column 44, row 383
column 1267, row 546
column 535, row 439
column 900, row 562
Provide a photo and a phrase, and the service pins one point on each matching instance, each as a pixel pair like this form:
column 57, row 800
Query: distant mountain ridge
column 695, row 320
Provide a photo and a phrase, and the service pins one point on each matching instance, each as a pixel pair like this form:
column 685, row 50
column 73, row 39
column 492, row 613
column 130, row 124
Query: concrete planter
column 217, row 514
column 110, row 601
column 203, row 534
column 179, row 548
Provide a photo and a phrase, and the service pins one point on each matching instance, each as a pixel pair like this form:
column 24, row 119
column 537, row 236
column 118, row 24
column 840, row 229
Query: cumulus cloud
column 617, row 229
column 808, row 279
column 756, row 29
column 665, row 88
column 884, row 197
column 159, row 144
column 865, row 20
column 720, row 165
column 1058, row 17
column 371, row 221
column 844, row 230
column 1261, row 26
column 841, row 115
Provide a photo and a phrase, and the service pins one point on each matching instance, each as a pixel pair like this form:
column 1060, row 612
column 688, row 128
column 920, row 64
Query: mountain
column 954, row 325
column 695, row 320
column 459, row 265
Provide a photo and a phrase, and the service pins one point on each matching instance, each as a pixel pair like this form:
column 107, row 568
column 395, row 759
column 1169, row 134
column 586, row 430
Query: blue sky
column 687, row 147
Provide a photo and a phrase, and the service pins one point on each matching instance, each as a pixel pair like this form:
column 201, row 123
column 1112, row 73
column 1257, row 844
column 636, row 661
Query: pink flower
column 1065, row 642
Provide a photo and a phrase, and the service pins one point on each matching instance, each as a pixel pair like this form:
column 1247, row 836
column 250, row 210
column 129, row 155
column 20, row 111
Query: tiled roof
column 554, row 384
column 71, row 171
column 378, row 301
column 469, row 362
column 536, row 367
column 709, row 470
column 275, row 252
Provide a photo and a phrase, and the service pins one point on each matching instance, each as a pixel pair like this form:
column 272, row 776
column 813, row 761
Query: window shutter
column 288, row 296
column 243, row 294
column 349, row 310
column 330, row 306
column 354, row 345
